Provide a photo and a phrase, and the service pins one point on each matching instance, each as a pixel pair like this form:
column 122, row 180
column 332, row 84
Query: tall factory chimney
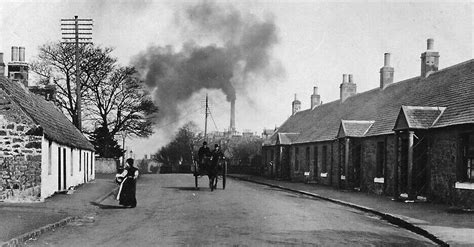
column 232, row 116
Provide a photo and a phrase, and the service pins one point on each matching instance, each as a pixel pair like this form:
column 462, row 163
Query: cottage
column 41, row 150
column 413, row 138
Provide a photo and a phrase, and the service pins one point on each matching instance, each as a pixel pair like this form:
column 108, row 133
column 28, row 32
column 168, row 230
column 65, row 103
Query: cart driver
column 203, row 153
column 216, row 155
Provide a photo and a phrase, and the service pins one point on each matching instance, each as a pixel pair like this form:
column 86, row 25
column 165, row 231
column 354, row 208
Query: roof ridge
column 399, row 82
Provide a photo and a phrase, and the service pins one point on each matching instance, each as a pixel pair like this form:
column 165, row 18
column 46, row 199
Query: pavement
column 437, row 222
column 24, row 221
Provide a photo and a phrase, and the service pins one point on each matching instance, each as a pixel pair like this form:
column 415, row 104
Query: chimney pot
column 315, row 98
column 296, row 106
column 430, row 44
column 347, row 87
column 429, row 59
column 386, row 60
column 21, row 56
column 15, row 55
column 386, row 72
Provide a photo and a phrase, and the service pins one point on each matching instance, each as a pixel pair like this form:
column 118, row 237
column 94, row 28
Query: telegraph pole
column 205, row 123
column 81, row 35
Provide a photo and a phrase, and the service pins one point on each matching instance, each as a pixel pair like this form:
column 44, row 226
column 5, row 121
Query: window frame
column 324, row 159
column 467, row 172
column 297, row 165
column 380, row 159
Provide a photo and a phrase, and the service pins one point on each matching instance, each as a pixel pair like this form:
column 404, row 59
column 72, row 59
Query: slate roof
column 452, row 87
column 418, row 117
column 287, row 138
column 354, row 128
column 56, row 126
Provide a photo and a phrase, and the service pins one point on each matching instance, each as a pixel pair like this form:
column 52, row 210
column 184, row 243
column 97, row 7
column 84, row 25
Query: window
column 324, row 160
column 59, row 168
column 315, row 160
column 380, row 158
column 80, row 159
column 307, row 158
column 468, row 159
column 297, row 166
column 92, row 163
column 50, row 157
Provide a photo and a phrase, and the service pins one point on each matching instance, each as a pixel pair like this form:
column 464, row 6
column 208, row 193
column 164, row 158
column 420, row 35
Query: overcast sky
column 316, row 42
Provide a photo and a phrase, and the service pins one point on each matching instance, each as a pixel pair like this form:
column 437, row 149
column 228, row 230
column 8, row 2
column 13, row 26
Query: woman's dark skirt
column 127, row 193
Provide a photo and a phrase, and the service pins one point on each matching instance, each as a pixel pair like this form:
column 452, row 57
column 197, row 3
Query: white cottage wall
column 71, row 160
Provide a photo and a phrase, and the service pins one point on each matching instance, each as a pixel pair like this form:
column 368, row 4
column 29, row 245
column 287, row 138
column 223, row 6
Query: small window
column 380, row 158
column 468, row 159
column 92, row 163
column 50, row 157
column 72, row 160
column 307, row 158
column 297, row 166
column 324, row 160
column 80, row 159
column 315, row 159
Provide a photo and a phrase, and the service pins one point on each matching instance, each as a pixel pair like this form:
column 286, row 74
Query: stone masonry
column 20, row 154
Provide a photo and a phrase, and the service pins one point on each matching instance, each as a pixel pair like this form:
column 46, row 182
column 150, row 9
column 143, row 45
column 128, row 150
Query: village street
column 171, row 212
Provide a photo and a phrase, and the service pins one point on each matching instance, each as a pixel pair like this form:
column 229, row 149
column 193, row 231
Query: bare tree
column 56, row 64
column 119, row 102
column 114, row 98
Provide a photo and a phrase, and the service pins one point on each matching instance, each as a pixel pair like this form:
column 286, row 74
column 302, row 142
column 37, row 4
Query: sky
column 311, row 43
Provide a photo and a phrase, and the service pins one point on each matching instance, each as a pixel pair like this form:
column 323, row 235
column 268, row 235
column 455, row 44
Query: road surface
column 171, row 212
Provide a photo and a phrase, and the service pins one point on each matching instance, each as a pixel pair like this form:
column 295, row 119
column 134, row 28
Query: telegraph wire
column 215, row 125
column 186, row 116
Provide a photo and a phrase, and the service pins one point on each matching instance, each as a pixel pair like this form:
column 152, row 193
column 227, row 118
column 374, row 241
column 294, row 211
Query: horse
column 212, row 171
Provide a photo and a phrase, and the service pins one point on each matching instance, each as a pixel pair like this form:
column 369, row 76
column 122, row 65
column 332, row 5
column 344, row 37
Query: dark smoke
column 241, row 49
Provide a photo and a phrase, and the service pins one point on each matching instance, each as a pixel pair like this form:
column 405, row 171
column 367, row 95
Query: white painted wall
column 76, row 162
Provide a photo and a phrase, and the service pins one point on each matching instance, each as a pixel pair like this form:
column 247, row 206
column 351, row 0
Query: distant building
column 413, row 138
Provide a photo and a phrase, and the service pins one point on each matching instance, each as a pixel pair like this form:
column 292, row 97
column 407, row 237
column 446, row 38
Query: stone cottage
column 410, row 139
column 42, row 152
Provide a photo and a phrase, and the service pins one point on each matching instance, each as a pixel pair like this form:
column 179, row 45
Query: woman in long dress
column 126, row 194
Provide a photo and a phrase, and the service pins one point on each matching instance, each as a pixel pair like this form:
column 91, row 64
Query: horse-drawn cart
column 214, row 172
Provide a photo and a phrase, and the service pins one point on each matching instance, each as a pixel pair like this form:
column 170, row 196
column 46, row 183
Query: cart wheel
column 196, row 181
column 224, row 173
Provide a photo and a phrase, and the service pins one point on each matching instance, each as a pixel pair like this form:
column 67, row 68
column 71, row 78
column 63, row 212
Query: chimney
column 17, row 68
column 315, row 98
column 232, row 116
column 347, row 87
column 15, row 54
column 21, row 55
column 429, row 59
column 2, row 65
column 296, row 106
column 386, row 72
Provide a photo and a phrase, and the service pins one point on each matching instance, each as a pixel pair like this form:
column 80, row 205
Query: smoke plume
column 224, row 49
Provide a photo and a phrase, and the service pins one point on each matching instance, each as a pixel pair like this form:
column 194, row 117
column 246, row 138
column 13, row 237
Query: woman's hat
column 216, row 145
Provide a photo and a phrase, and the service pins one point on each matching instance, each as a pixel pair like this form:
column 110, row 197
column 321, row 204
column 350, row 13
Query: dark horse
column 212, row 170
column 209, row 167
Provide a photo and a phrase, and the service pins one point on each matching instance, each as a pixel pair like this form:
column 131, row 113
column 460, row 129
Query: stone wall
column 20, row 154
column 106, row 165
column 445, row 157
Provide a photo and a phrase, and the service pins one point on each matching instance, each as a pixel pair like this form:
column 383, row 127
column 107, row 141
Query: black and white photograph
column 236, row 123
